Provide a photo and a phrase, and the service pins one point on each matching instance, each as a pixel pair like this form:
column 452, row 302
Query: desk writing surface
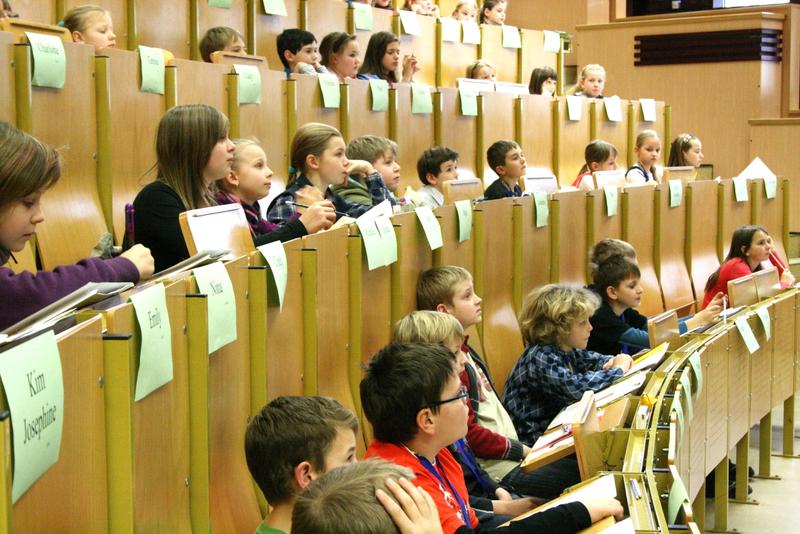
column 738, row 360
column 715, row 362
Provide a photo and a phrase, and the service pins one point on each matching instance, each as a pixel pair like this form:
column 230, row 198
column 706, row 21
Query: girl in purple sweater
column 28, row 168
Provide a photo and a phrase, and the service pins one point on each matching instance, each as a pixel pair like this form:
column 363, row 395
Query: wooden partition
column 413, row 256
column 127, row 122
column 423, row 46
column 148, row 461
column 732, row 215
column 213, row 90
column 601, row 225
column 452, row 59
column 382, row 21
column 322, row 17
column 455, row 130
column 568, row 227
column 669, row 253
column 782, row 349
column 265, row 28
column 267, row 122
column 533, row 54
column 535, row 130
column 702, row 224
column 219, row 414
column 761, row 370
column 570, row 138
column 452, row 251
column 532, row 251
column 413, row 133
column 77, row 482
column 304, row 103
column 619, row 134
column 74, row 221
column 8, row 107
column 152, row 31
column 357, row 117
column 43, row 11
column 505, row 60
column 770, row 213
column 639, row 229
column 203, row 16
column 496, row 115
column 494, row 283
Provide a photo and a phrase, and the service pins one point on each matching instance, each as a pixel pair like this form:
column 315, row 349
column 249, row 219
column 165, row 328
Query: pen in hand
column 297, row 205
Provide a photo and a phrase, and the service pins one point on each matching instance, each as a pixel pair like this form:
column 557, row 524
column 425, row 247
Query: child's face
column 333, row 163
column 628, row 293
column 578, row 335
column 694, row 156
column 549, row 87
column 466, row 305
column 486, row 73
column 515, row 165
column 308, row 54
column 253, row 175
column 608, row 165
column 382, row 3
column 466, row 12
column 391, row 58
column 649, row 152
column 18, row 222
column 447, row 171
column 759, row 247
column 236, row 46
column 219, row 162
column 460, row 356
column 99, row 31
column 496, row 15
column 347, row 62
column 594, row 83
column 451, row 420
column 341, row 452
column 389, row 168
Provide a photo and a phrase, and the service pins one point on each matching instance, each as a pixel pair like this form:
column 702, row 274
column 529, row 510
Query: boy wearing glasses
column 416, row 404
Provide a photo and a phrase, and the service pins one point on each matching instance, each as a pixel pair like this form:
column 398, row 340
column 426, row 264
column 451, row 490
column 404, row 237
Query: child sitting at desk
column 556, row 369
column 436, row 166
column 507, row 160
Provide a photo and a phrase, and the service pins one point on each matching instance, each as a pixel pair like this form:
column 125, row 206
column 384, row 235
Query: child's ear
column 425, row 422
column 442, row 308
column 77, row 37
column 231, row 180
column 304, row 474
column 431, row 178
column 593, row 166
column 500, row 170
column 312, row 162
column 611, row 293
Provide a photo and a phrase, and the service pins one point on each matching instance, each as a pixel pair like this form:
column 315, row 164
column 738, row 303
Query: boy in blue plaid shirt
column 556, row 369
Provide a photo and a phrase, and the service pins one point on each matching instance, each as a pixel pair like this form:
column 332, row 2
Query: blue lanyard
column 469, row 459
column 435, row 472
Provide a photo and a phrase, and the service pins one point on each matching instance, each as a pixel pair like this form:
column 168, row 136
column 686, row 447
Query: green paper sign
column 471, row 32
column 763, row 314
column 612, row 194
column 275, row 255
column 249, row 84
column 469, row 103
column 49, row 60
column 152, row 63
column 542, row 209
column 771, row 186
column 380, row 94
column 677, row 407
column 275, row 7
column 450, row 30
column 388, row 239
column 677, row 496
column 433, row 231
column 511, row 37
column 464, row 211
column 675, row 193
column 213, row 281
column 223, row 4
column 409, row 22
column 686, row 384
column 747, row 334
column 34, row 387
column 362, row 16
column 155, row 352
column 421, row 101
column 740, row 189
column 372, row 242
column 329, row 85
column 697, row 367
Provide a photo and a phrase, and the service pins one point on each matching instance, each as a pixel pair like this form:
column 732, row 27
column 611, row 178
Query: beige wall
column 712, row 100
column 775, row 142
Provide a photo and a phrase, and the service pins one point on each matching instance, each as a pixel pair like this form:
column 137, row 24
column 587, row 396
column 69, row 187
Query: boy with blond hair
column 382, row 154
column 490, row 434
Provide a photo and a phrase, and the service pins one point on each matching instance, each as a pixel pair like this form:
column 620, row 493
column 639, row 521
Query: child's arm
column 486, row 443
column 558, row 379
column 281, row 211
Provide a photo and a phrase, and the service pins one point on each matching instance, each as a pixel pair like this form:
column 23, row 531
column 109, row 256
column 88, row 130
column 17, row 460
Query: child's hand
column 410, row 66
column 787, row 278
column 503, row 495
column 416, row 512
column 623, row 361
column 308, row 195
column 526, row 451
column 318, row 216
column 358, row 166
column 515, row 507
column 602, row 508
column 140, row 256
